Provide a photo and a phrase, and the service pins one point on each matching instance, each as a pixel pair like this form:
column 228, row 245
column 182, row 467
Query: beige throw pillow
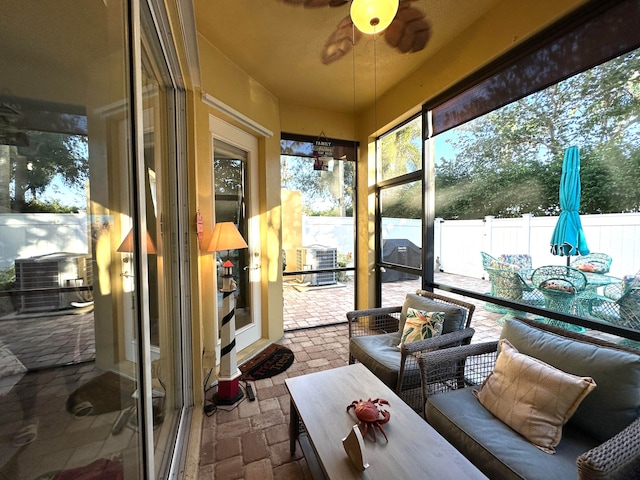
column 532, row 397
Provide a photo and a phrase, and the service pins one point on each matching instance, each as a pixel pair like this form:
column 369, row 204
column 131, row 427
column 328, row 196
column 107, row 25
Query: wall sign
column 323, row 153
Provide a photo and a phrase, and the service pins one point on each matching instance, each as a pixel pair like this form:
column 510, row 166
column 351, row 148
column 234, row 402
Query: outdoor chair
column 593, row 262
column 375, row 337
column 510, row 285
column 522, row 290
column 489, row 261
column 522, row 260
column 620, row 305
column 560, row 286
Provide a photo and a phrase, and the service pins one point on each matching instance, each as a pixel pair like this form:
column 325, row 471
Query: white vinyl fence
column 458, row 243
column 33, row 234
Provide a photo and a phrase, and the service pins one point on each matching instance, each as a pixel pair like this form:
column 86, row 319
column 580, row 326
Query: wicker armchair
column 510, row 285
column 593, row 262
column 620, row 305
column 560, row 286
column 467, row 366
column 374, row 336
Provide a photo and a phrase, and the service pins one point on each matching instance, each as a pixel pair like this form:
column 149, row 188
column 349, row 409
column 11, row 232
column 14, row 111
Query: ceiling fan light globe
column 373, row 16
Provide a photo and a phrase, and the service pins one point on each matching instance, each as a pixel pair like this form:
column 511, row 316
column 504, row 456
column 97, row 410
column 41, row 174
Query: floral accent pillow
column 420, row 325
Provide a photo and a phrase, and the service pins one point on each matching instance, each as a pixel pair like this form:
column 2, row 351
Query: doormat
column 105, row 393
column 271, row 361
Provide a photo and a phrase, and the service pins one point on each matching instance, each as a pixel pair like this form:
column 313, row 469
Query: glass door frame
column 149, row 35
column 224, row 132
column 344, row 149
column 421, row 175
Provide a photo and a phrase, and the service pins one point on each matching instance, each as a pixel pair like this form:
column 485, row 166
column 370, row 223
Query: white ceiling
column 280, row 43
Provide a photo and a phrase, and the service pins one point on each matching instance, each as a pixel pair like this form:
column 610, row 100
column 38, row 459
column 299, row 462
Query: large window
column 499, row 155
column 399, row 200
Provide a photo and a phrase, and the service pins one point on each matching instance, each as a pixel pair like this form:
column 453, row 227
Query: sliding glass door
column 91, row 324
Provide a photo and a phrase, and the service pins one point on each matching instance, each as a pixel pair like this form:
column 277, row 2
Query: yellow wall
column 311, row 121
column 222, row 79
column 292, row 218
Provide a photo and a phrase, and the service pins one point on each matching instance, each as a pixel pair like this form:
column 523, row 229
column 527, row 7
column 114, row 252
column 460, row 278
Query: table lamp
column 127, row 247
column 227, row 237
column 127, row 244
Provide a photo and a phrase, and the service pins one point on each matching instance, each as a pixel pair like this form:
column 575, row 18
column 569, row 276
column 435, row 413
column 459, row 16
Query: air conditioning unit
column 317, row 258
column 55, row 270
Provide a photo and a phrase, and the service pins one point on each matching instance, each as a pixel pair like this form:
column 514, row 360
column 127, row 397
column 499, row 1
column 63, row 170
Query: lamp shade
column 373, row 16
column 226, row 237
column 127, row 244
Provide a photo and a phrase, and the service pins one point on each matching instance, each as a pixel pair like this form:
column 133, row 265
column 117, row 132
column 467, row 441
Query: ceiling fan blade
column 410, row 31
column 340, row 41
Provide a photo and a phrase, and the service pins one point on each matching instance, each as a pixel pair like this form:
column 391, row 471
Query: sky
column 67, row 196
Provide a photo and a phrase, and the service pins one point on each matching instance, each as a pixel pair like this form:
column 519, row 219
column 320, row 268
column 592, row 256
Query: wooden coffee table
column 415, row 450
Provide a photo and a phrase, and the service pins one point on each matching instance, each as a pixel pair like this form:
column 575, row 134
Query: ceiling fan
column 408, row 32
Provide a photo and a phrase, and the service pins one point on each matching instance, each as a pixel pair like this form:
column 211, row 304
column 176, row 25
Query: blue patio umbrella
column 568, row 237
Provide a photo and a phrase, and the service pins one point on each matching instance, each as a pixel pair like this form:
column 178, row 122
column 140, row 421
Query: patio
column 328, row 306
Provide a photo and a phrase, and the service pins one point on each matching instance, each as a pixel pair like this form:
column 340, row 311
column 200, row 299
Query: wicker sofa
column 600, row 440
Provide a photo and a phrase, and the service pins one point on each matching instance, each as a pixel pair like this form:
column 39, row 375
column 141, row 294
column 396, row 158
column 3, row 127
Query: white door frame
column 223, row 131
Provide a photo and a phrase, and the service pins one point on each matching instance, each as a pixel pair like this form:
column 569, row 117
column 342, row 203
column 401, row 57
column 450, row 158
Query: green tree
column 509, row 161
column 48, row 156
column 401, row 153
column 325, row 193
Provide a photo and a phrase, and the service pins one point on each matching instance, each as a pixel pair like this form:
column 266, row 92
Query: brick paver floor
column 251, row 441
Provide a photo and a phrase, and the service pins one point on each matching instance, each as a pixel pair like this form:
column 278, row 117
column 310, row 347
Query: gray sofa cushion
column 614, row 403
column 380, row 354
column 496, row 449
column 454, row 316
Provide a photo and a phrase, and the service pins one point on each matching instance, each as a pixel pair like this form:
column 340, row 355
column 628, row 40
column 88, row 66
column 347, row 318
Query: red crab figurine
column 371, row 414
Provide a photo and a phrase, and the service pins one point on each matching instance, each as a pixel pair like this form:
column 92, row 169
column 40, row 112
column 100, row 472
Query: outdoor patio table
column 590, row 292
